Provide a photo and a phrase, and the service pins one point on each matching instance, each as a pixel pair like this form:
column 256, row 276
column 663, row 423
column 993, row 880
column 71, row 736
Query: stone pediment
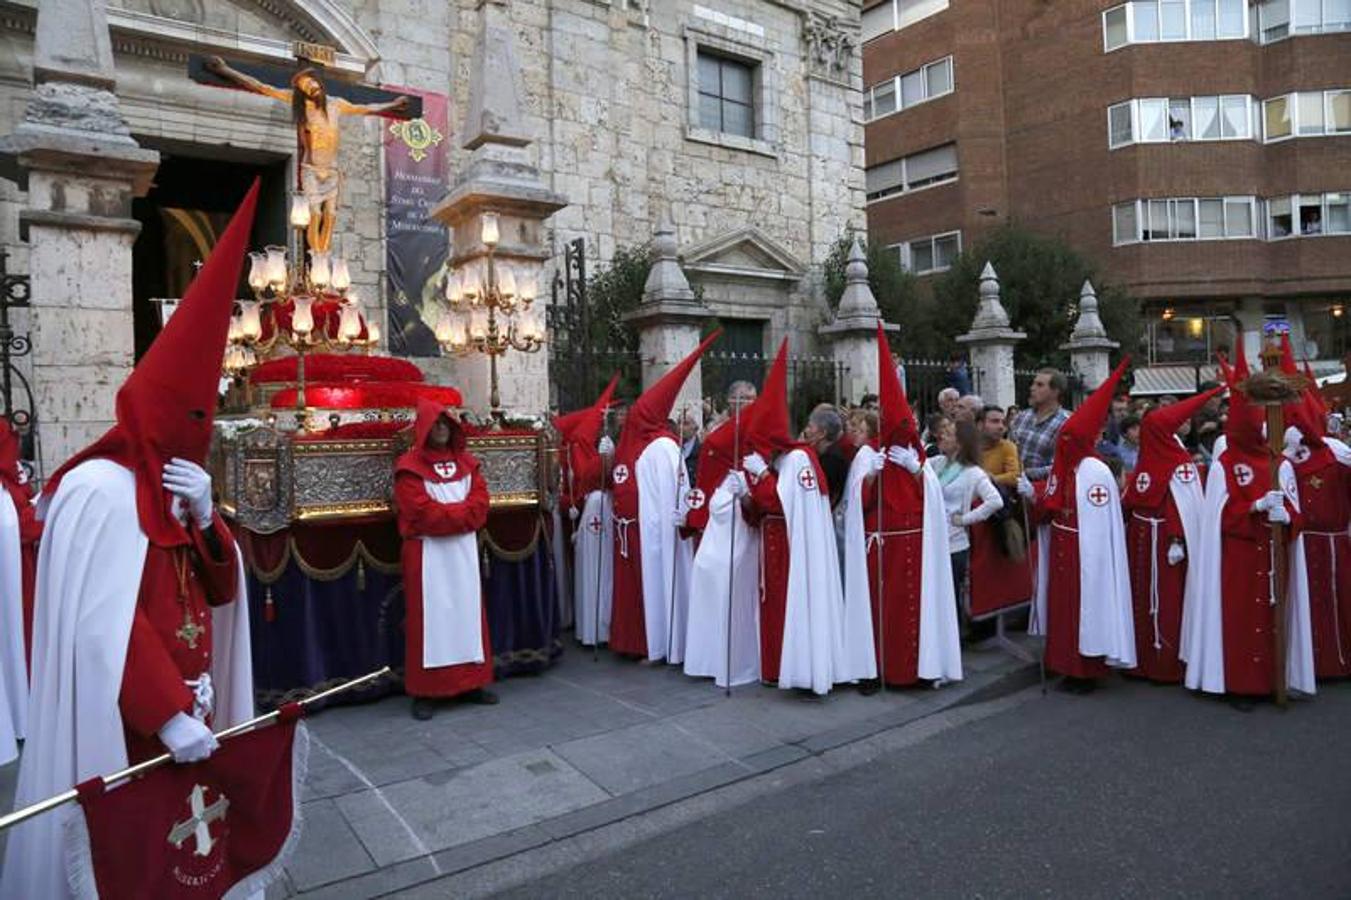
column 746, row 252
column 261, row 28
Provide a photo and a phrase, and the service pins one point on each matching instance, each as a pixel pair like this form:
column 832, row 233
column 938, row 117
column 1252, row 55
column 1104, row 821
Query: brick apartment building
column 1198, row 150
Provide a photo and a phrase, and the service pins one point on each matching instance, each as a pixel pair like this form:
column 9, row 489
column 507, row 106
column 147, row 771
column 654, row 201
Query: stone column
column 1251, row 315
column 75, row 156
column 992, row 341
column 1090, row 348
column 669, row 321
column 853, row 331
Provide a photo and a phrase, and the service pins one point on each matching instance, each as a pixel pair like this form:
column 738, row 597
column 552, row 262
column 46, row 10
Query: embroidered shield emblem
column 1243, row 474
column 807, row 478
column 1098, row 495
column 621, row 473
column 593, row 524
column 695, row 499
column 1302, row 454
column 1186, row 473
column 1142, row 482
column 445, row 469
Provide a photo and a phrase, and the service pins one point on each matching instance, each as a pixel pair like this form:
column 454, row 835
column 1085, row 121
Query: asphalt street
column 1135, row 790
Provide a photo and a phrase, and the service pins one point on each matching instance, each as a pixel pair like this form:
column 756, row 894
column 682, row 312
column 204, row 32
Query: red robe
column 1062, row 592
column 1325, row 505
column 902, row 543
column 179, row 585
column 767, row 512
column 628, row 622
column 1245, row 591
column 30, row 530
column 421, row 516
column 1157, row 659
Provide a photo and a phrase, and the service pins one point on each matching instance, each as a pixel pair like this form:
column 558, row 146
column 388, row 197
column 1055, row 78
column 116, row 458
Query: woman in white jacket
column 963, row 480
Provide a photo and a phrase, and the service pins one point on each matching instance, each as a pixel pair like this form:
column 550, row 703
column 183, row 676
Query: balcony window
column 918, row 170
column 1149, row 21
column 1309, row 215
column 893, row 15
column 1279, row 220
column 1159, row 120
column 934, row 253
column 1276, row 118
column 1308, row 114
column 1183, row 219
column 901, row 92
column 1279, row 19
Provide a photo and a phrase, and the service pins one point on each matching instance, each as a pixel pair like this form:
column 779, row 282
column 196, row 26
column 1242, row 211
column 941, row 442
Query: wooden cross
column 280, row 77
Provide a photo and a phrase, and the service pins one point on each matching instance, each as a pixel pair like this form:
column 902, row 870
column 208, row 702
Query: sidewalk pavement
column 390, row 801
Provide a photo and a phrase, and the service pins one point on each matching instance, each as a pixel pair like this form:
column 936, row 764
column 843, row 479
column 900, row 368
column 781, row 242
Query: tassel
column 361, row 576
column 269, row 608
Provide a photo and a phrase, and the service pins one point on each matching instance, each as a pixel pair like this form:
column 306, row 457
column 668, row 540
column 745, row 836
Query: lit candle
column 300, row 211
column 478, row 325
column 373, row 332
column 302, row 316
column 444, row 330
column 527, row 287
column 458, row 336
column 276, row 266
column 236, row 329
column 349, row 324
column 319, row 269
column 250, row 321
column 508, row 282
column 341, row 279
column 257, row 271
column 489, row 233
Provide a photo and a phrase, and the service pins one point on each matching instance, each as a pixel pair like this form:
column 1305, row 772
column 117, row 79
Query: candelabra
column 303, row 307
column 490, row 309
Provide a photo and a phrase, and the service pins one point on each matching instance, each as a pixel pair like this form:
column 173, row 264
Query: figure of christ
column 315, row 115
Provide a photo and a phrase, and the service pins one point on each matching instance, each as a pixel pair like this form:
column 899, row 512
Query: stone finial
column 493, row 115
column 1088, row 328
column 990, row 313
column 666, row 280
column 71, row 43
column 857, row 301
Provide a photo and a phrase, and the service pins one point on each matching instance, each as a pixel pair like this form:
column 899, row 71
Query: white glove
column 1269, row 501
column 1176, row 553
column 755, row 464
column 187, row 739
column 735, row 484
column 905, row 457
column 1025, row 488
column 1293, row 440
column 1278, row 515
column 606, row 446
column 877, row 462
column 189, row 481
column 574, row 513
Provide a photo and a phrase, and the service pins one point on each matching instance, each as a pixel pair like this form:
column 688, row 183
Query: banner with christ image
column 416, row 166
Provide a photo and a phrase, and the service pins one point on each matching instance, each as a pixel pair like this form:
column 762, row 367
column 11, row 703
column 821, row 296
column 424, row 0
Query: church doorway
column 194, row 193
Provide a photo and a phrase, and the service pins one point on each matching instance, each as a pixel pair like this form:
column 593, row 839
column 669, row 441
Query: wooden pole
column 1280, row 563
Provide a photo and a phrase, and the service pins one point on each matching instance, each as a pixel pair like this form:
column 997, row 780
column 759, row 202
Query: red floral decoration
column 376, row 395
column 337, row 368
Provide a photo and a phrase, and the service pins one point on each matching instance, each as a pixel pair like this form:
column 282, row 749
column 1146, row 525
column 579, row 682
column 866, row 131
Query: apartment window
column 904, row 91
column 1183, row 219
column 1307, row 114
column 1158, row 119
column 1309, row 215
column 1149, row 21
column 726, row 95
column 934, row 253
column 893, row 15
column 918, row 170
column 1279, row 19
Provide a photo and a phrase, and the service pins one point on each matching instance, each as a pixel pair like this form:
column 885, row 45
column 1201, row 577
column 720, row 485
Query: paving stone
column 639, row 756
column 329, row 850
column 424, row 815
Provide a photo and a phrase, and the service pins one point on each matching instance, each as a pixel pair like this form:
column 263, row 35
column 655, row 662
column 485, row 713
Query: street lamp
column 490, row 309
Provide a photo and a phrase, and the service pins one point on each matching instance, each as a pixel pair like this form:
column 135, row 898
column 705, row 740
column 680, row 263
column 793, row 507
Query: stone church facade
column 739, row 121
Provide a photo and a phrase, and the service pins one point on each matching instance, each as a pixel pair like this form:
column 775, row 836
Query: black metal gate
column 15, row 292
column 582, row 353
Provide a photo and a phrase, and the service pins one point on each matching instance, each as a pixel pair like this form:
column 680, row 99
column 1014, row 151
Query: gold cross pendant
column 189, row 631
column 1315, row 482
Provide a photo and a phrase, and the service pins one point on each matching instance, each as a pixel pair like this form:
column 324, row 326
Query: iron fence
column 811, row 380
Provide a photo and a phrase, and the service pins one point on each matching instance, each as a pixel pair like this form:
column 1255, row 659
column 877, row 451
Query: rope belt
column 623, row 533
column 1332, row 553
column 203, row 697
column 878, row 538
column 1064, row 528
column 1153, row 573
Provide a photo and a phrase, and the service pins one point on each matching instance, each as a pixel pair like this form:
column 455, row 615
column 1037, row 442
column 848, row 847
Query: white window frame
column 1295, row 201
column 903, row 248
column 1131, row 9
column 1324, row 7
column 895, row 81
column 1141, row 207
column 1292, row 104
column 1135, row 138
column 906, row 189
column 896, row 16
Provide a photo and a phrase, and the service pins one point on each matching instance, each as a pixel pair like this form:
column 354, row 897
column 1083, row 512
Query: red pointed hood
column 1160, row 453
column 9, row 457
column 583, row 427
column 767, row 428
column 449, row 463
column 1243, row 429
column 896, row 420
column 1078, row 438
column 166, row 407
column 647, row 417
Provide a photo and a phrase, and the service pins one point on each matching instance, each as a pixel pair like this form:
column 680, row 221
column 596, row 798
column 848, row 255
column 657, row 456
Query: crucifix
column 316, row 104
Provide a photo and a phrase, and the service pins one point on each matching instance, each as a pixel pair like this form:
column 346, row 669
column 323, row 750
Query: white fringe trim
column 80, row 860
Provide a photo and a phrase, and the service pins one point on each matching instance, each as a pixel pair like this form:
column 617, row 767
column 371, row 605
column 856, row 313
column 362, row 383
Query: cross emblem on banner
column 621, row 473
column 1186, row 473
column 593, row 524
column 445, row 469
column 695, row 499
column 807, row 478
column 1243, row 474
column 198, row 825
column 1098, row 495
column 1142, row 482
